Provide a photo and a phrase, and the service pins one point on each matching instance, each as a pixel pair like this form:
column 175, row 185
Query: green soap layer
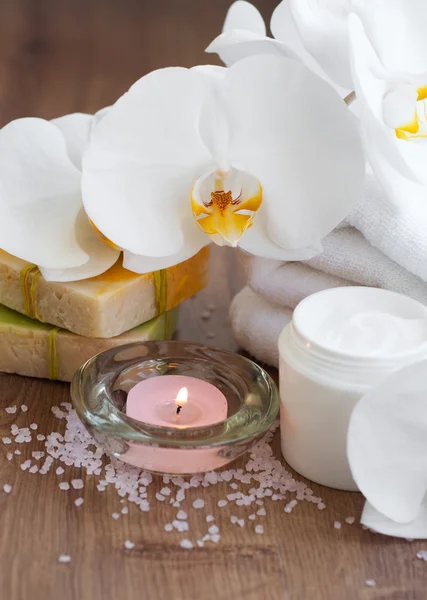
column 151, row 329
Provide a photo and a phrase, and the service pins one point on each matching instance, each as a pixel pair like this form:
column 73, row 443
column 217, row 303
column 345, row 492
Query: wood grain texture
column 60, row 56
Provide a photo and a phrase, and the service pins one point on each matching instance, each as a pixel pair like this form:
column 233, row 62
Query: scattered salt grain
column 252, row 517
column 241, row 522
column 422, row 554
column 9, row 456
column 350, row 520
column 198, row 503
column 77, row 484
column 181, row 515
column 64, row 558
column 37, row 455
column 165, row 491
column 116, row 516
column 78, row 501
column 124, row 510
column 6, row 440
column 159, row 497
column 64, row 486
column 259, row 529
column 215, row 538
column 371, row 582
column 25, row 465
column 337, row 525
column 59, row 471
column 210, row 518
column 205, row 315
column 321, row 506
column 17, row 452
column 222, row 503
column 129, row 545
column 7, row 488
column 33, row 426
column 186, row 544
column 11, row 410
column 180, row 526
column 213, row 529
column 168, row 527
column 33, row 469
column 24, row 408
column 41, row 437
column 261, row 512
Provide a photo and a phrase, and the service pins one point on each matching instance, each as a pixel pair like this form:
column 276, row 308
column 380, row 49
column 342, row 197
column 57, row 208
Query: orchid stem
column 350, row 98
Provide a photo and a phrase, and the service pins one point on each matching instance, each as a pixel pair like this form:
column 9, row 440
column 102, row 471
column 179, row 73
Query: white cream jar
column 340, row 344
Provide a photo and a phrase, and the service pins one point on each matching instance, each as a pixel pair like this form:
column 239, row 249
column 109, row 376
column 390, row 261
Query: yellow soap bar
column 28, row 347
column 103, row 306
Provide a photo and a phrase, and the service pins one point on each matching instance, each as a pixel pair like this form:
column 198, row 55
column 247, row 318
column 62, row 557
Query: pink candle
column 181, row 402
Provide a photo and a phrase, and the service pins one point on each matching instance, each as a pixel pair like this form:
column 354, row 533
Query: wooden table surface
column 61, row 56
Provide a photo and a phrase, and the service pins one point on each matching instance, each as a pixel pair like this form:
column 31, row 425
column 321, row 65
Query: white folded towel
column 398, row 230
column 257, row 324
column 347, row 259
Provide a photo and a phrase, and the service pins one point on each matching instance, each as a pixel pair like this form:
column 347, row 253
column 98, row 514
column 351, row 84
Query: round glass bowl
column 99, row 392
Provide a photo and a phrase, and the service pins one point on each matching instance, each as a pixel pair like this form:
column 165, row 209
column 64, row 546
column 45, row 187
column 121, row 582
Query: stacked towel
column 380, row 245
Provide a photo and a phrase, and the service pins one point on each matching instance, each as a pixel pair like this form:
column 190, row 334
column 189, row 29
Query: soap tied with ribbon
column 387, row 452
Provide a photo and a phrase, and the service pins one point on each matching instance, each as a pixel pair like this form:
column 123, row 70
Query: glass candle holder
column 100, row 389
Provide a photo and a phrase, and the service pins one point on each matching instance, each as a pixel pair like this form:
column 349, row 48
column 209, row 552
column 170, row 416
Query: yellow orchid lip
column 412, row 130
column 225, row 215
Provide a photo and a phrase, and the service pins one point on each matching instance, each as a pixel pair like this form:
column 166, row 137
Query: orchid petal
column 76, row 130
column 142, row 159
column 101, row 256
column 396, row 29
column 292, row 132
column 283, row 29
column 323, row 28
column 39, row 195
column 232, row 46
column 244, row 15
column 387, row 440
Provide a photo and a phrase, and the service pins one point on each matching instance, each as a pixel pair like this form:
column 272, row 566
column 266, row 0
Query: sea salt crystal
column 261, row 512
column 11, row 409
column 222, row 503
column 321, row 506
column 7, row 488
column 77, row 484
column 59, row 471
column 78, row 501
column 210, row 518
column 26, row 465
column 199, row 503
column 33, row 469
column 9, row 456
column 64, row 558
column 213, row 529
column 337, row 525
column 186, row 544
column 116, row 516
column 205, row 315
column 252, row 517
column 33, row 426
column 18, row 452
column 159, row 497
column 64, row 486
column 233, row 519
column 41, row 437
column 181, row 514
column 180, row 526
column 259, row 529
column 24, row 408
column 6, row 440
column 422, row 554
column 241, row 522
column 165, row 491
column 168, row 527
column 124, row 510
column 350, row 520
column 215, row 538
column 129, row 545
column 371, row 582
column 37, row 455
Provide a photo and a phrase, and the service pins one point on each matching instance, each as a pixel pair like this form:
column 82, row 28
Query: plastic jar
column 341, row 343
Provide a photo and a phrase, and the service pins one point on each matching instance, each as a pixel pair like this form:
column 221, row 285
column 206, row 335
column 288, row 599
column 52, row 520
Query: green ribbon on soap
column 28, row 287
column 52, row 353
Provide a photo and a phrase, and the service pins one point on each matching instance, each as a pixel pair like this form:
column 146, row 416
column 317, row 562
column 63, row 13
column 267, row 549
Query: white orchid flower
column 387, row 451
column 263, row 155
column 314, row 31
column 42, row 216
column 389, row 63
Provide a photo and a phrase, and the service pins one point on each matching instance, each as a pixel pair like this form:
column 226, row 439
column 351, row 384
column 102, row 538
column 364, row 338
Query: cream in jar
column 340, row 344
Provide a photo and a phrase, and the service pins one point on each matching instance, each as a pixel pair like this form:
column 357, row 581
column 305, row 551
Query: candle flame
column 182, row 396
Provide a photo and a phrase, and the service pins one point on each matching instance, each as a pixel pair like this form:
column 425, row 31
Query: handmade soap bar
column 103, row 306
column 28, row 347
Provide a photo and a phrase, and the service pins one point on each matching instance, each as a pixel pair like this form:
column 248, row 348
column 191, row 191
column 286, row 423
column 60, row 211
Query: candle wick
column 178, row 409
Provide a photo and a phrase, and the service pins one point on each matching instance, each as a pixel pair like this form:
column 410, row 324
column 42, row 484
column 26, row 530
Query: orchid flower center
column 415, row 128
column 225, row 204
